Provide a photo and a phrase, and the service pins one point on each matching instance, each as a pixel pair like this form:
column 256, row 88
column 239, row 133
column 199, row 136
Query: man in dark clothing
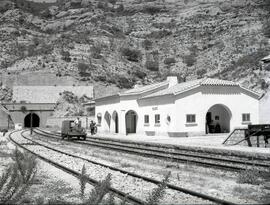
column 92, row 127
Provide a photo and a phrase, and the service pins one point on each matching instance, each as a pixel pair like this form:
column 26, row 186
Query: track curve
column 170, row 186
column 210, row 160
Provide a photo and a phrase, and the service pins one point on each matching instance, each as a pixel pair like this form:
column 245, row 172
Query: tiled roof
column 138, row 90
column 182, row 87
column 47, row 94
column 211, row 81
column 143, row 89
column 176, row 89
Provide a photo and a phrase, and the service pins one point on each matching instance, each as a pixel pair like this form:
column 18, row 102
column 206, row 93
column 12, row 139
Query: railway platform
column 210, row 141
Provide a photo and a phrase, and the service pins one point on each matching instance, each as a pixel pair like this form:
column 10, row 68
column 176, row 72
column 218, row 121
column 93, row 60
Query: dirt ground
column 52, row 184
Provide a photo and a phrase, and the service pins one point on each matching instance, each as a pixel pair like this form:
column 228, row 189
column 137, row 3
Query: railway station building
column 175, row 109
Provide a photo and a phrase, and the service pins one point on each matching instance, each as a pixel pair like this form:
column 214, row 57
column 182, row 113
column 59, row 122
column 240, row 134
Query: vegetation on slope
column 138, row 41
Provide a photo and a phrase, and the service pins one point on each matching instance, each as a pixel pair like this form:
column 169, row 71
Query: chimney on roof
column 172, row 80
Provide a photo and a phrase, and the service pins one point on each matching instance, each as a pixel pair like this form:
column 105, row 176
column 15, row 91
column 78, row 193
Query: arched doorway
column 217, row 119
column 107, row 118
column 116, row 121
column 35, row 120
column 131, row 122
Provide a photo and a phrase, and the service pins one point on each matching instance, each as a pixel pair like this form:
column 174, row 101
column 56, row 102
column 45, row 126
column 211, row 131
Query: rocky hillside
column 119, row 43
column 70, row 105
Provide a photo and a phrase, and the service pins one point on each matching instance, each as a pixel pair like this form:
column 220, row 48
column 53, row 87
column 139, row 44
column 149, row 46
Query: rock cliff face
column 121, row 43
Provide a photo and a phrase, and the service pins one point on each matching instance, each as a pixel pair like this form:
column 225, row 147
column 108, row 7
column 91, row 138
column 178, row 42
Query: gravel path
column 216, row 183
column 133, row 186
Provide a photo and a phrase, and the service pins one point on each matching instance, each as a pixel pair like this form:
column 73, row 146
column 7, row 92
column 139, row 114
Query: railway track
column 135, row 200
column 118, row 193
column 234, row 163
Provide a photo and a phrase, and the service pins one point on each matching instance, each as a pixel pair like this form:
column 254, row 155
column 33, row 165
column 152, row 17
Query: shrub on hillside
column 263, row 84
column 65, row 56
column 112, row 1
column 101, row 78
column 5, row 5
column 102, row 5
column 169, row 61
column 266, row 29
column 131, row 54
column 165, row 25
column 201, row 72
column 96, row 51
column 152, row 65
column 83, row 68
column 267, row 68
column 42, row 49
column 147, row 44
column 248, row 61
column 46, row 14
column 189, row 60
column 113, row 29
column 32, row 6
column 120, row 8
column 152, row 9
column 159, row 33
column 140, row 74
column 69, row 97
column 123, row 82
column 5, row 94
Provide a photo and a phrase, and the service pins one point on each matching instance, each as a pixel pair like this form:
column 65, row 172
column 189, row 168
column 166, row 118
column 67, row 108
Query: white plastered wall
column 111, row 106
column 265, row 109
column 197, row 101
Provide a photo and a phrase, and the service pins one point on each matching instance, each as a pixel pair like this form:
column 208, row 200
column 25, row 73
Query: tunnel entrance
column 35, row 120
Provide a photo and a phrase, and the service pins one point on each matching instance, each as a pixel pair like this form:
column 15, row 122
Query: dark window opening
column 157, row 118
column 191, row 118
column 146, row 119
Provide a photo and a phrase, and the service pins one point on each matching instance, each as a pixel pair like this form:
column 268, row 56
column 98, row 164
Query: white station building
column 179, row 109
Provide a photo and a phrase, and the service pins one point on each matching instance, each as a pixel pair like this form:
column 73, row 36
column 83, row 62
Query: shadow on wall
column 107, row 118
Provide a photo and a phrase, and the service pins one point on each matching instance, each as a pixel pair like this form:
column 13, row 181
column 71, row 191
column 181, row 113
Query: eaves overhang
column 107, row 97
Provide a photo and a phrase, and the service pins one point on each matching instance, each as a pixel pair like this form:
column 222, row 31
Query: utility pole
column 8, row 121
column 31, row 123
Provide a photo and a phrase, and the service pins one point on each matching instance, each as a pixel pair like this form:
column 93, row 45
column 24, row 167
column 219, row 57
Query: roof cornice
column 145, row 91
column 107, row 97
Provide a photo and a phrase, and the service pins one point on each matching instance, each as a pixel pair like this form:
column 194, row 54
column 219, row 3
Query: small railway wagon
column 70, row 129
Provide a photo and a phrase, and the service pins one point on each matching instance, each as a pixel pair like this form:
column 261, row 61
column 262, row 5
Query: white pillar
column 122, row 122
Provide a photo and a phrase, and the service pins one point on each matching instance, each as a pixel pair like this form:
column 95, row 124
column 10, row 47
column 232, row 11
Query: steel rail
column 171, row 186
column 189, row 155
column 164, row 155
column 153, row 145
column 78, row 175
